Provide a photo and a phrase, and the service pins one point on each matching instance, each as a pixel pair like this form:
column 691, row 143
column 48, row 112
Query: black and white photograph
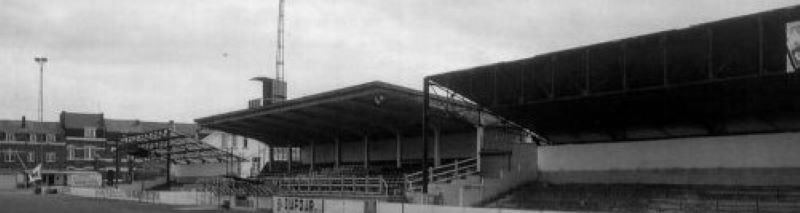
column 400, row 106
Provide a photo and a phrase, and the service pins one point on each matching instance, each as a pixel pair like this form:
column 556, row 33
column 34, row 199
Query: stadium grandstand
column 698, row 119
column 365, row 142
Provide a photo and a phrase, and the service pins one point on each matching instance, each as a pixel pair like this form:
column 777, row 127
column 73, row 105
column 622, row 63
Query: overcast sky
column 164, row 59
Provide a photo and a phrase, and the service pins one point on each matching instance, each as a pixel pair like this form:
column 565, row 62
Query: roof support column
column 116, row 161
column 289, row 162
column 479, row 140
column 337, row 152
column 426, row 84
column 313, row 153
column 437, row 157
column 366, row 151
column 398, row 150
column 169, row 164
column 131, row 160
column 271, row 158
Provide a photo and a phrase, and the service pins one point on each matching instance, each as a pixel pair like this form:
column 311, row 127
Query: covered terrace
column 364, row 124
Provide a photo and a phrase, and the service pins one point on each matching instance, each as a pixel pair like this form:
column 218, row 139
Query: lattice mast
column 274, row 90
column 279, row 69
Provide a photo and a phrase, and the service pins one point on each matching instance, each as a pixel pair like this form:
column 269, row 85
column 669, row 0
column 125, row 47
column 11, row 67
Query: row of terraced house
column 87, row 142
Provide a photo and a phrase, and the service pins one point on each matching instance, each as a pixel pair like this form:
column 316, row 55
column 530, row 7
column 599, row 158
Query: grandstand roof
column 376, row 108
column 178, row 148
column 725, row 77
column 137, row 126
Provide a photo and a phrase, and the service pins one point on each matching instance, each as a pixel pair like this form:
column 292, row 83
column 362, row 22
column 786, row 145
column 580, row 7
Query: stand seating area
column 650, row 198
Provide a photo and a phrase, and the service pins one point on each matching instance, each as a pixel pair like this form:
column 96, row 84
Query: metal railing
column 348, row 186
column 442, row 173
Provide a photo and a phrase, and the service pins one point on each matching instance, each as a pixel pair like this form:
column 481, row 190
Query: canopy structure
column 173, row 147
column 734, row 76
column 376, row 109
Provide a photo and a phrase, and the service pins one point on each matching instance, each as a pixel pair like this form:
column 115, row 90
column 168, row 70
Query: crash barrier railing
column 306, row 185
column 343, row 185
column 227, row 186
column 442, row 173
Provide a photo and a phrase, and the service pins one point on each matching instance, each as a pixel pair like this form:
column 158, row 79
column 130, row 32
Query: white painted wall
column 230, row 143
column 780, row 150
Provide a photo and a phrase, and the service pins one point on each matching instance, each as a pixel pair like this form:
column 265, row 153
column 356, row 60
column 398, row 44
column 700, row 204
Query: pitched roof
column 30, row 126
column 72, row 120
column 137, row 126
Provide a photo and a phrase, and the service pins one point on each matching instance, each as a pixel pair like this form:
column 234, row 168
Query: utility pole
column 41, row 61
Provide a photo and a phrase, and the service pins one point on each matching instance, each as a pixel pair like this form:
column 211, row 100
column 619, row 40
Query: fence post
column 430, row 174
column 757, row 209
column 456, row 173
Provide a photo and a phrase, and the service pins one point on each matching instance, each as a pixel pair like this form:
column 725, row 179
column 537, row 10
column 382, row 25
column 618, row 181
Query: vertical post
column 710, row 56
column 760, row 45
column 337, row 155
column 437, row 157
column 553, row 77
column 169, row 153
column 41, row 61
column 117, row 161
column 131, row 159
column 664, row 59
column 366, row 151
column 398, row 150
column 624, row 65
column 313, row 154
column 425, row 102
column 479, row 141
column 289, row 150
column 587, row 72
column 169, row 161
column 271, row 158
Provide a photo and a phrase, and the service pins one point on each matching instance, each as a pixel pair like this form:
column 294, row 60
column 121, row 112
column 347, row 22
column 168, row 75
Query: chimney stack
column 23, row 122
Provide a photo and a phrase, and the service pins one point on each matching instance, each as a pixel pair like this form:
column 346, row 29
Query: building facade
column 24, row 144
column 88, row 142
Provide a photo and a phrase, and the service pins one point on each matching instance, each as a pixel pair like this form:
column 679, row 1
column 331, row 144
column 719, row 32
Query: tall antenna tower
column 279, row 72
column 274, row 90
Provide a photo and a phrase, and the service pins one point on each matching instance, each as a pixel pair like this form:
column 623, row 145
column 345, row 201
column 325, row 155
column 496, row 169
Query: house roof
column 30, row 126
column 137, row 126
column 73, row 120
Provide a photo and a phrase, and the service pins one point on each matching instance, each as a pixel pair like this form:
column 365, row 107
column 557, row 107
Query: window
column 51, row 157
column 233, row 142
column 95, row 153
column 31, row 156
column 89, row 132
column 8, row 155
column 2, row 136
column 80, row 154
column 51, row 138
column 41, row 137
column 244, row 143
column 22, row 136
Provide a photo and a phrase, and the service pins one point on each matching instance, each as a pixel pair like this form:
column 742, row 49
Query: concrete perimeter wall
column 759, row 159
column 160, row 197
